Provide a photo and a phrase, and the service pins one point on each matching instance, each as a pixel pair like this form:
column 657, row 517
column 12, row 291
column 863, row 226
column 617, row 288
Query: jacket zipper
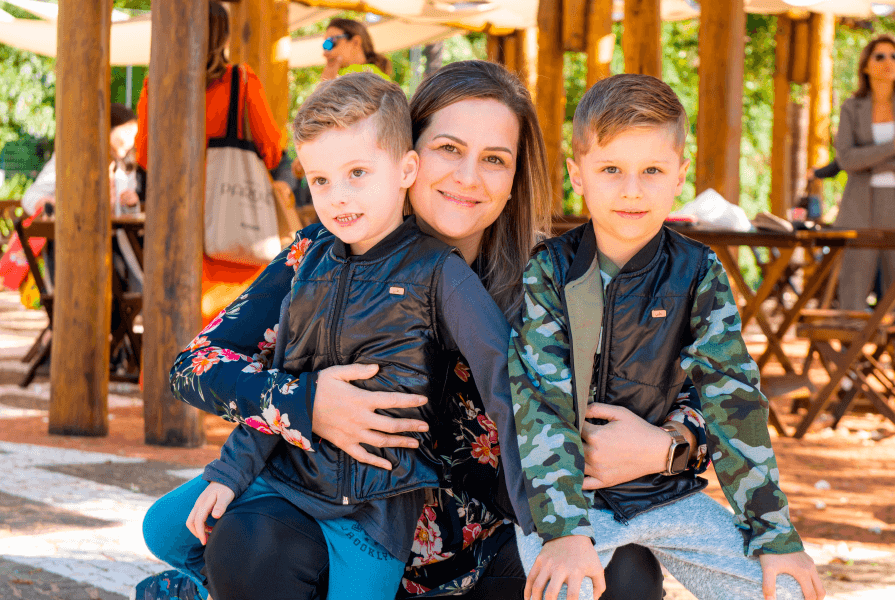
column 340, row 300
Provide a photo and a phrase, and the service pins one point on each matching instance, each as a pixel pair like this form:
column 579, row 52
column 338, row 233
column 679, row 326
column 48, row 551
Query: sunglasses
column 330, row 42
column 880, row 57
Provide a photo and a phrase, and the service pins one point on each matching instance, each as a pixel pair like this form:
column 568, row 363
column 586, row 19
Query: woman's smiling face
column 467, row 165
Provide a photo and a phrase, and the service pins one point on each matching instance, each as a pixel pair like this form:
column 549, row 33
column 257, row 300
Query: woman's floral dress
column 226, row 370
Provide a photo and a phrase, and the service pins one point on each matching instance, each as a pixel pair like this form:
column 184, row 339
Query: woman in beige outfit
column 865, row 148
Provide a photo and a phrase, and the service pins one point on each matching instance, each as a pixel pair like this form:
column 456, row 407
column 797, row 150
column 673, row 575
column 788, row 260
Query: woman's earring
column 510, row 197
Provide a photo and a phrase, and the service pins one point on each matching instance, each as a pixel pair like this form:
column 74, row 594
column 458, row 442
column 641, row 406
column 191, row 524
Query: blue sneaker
column 168, row 585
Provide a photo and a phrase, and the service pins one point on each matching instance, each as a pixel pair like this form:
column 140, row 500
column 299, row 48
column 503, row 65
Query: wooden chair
column 40, row 350
column 868, row 373
column 128, row 303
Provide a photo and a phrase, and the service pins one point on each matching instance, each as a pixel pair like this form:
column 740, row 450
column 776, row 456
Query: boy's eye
column 357, row 172
column 611, row 170
column 319, row 181
column 653, row 170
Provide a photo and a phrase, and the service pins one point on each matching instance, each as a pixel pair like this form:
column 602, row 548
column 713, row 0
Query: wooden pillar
column 257, row 28
column 719, row 122
column 551, row 97
column 574, row 25
column 781, row 143
column 493, row 48
column 527, row 61
column 600, row 40
column 820, row 91
column 176, row 189
column 79, row 369
column 511, row 52
column 642, row 38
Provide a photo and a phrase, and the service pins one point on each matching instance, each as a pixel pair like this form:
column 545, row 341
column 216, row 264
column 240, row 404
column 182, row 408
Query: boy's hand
column 565, row 560
column 213, row 500
column 797, row 564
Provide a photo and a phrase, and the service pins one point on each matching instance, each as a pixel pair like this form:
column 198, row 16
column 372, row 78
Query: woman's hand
column 214, row 500
column 345, row 415
column 566, row 560
column 624, row 449
column 797, row 564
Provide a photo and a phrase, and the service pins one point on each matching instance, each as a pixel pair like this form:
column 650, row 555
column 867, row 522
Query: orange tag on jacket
column 396, row 290
column 659, row 313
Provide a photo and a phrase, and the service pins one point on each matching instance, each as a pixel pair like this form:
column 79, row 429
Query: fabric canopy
column 405, row 23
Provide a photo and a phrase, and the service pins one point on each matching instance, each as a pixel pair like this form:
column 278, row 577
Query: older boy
column 618, row 312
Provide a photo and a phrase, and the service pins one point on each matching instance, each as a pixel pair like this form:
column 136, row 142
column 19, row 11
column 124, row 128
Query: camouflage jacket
column 546, row 393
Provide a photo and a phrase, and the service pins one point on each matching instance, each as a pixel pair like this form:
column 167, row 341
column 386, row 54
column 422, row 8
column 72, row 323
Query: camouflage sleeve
column 736, row 415
column 687, row 410
column 550, row 445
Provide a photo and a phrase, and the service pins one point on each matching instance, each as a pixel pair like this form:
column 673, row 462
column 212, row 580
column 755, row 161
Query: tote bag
column 240, row 208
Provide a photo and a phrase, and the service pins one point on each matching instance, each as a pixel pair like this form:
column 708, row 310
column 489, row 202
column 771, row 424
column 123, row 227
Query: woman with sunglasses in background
column 348, row 48
column 865, row 149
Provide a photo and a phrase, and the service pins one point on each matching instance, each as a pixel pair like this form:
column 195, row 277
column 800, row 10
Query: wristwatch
column 678, row 452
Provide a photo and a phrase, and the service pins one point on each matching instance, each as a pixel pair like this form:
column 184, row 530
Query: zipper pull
column 592, row 395
column 344, row 499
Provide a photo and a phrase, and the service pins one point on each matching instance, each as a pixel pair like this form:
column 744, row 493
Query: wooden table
column 853, row 354
column 786, row 243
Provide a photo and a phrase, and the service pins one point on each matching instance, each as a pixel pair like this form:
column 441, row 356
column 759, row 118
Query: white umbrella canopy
column 844, row 8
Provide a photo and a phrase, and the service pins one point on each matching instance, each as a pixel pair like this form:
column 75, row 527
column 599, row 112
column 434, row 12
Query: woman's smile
column 461, row 200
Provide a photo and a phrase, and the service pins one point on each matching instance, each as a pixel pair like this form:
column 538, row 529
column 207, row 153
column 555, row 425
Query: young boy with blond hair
column 371, row 288
column 617, row 313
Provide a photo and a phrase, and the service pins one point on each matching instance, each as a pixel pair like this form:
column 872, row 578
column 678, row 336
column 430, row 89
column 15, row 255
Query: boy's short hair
column 349, row 99
column 621, row 102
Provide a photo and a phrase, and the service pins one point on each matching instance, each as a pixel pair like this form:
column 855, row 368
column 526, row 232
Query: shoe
column 168, row 585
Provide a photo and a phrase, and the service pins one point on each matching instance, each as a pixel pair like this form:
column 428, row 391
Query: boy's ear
column 575, row 176
column 682, row 177
column 410, row 165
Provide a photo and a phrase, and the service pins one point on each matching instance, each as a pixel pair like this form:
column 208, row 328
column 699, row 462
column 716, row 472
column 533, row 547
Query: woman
column 865, row 149
column 348, row 47
column 223, row 281
column 482, row 190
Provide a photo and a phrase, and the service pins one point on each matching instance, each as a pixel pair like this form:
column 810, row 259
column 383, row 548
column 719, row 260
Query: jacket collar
column 587, row 253
column 385, row 246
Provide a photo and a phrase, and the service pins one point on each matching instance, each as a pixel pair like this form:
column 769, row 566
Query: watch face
column 681, row 456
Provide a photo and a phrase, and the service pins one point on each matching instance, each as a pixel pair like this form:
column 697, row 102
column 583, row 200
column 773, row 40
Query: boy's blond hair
column 621, row 102
column 349, row 99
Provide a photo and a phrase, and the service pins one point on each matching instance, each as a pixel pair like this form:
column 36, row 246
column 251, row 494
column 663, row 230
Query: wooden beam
column 176, row 195
column 820, row 91
column 511, row 52
column 551, row 97
column 642, row 38
column 258, row 29
column 722, row 32
column 781, row 149
column 600, row 40
column 574, row 19
column 799, row 54
column 493, row 49
column 79, row 368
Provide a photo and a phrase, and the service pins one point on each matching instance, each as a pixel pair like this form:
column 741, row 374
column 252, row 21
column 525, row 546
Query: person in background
column 223, row 282
column 865, row 149
column 123, row 129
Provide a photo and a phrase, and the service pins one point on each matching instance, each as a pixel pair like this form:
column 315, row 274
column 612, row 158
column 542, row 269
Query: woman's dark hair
column 119, row 114
column 354, row 29
column 218, row 36
column 866, row 53
column 507, row 243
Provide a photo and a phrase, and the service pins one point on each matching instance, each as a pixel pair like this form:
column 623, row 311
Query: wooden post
column 574, row 24
column 257, row 28
column 781, row 165
column 511, row 52
column 493, row 48
column 642, row 38
column 722, row 32
column 79, row 369
column 820, row 91
column 600, row 40
column 176, row 189
column 551, row 97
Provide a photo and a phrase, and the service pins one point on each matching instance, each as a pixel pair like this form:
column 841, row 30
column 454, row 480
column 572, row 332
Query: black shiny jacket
column 377, row 308
column 645, row 325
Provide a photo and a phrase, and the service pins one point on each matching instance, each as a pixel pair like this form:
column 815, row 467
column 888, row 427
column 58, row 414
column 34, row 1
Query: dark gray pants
column 859, row 267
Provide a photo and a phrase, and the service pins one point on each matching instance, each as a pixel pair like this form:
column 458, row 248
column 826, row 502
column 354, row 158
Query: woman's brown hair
column 866, row 53
column 356, row 29
column 218, row 36
column 507, row 243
